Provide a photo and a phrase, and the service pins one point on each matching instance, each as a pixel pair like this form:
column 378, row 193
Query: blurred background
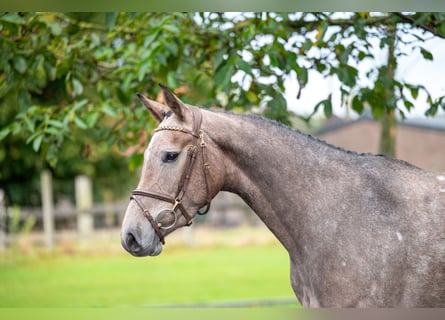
column 72, row 136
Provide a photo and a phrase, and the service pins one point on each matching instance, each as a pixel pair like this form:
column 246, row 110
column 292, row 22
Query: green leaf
column 427, row 55
column 357, row 105
column 172, row 28
column 135, row 161
column 441, row 29
column 306, row 46
column 431, row 111
column 328, row 107
column 123, row 97
column 16, row 128
column 95, row 40
column 347, row 75
column 77, row 87
column 30, row 124
column 5, row 89
column 408, row 105
column 273, row 60
column 434, row 106
column 150, row 38
column 37, row 142
column 172, row 47
column 91, row 119
column 143, row 70
column 103, row 53
column 223, row 75
column 4, row 133
column 12, row 18
column 24, row 99
column 302, row 76
column 278, row 104
column 109, row 110
column 218, row 57
column 126, row 83
column 20, row 64
column 51, row 71
column 53, row 131
column 80, row 123
column 244, row 66
column 56, row 123
column 52, row 155
column 414, row 92
column 39, row 71
column 362, row 55
column 321, row 67
column 252, row 97
column 55, row 28
column 79, row 105
column 277, row 109
column 171, row 79
column 111, row 18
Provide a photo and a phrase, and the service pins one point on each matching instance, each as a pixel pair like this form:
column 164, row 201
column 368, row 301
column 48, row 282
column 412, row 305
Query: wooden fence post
column 47, row 207
column 2, row 220
column 108, row 206
column 84, row 204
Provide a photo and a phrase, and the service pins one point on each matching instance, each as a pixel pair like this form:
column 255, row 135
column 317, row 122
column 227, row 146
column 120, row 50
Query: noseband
column 176, row 201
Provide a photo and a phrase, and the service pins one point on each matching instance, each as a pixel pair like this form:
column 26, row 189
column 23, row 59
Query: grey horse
column 361, row 230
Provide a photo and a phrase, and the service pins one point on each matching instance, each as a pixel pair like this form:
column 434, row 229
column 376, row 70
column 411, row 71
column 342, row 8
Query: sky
column 412, row 68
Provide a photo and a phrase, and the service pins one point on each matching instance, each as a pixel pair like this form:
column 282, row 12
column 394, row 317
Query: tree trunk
column 388, row 129
column 388, row 122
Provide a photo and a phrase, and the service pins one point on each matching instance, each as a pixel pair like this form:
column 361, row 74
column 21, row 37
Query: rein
column 176, row 201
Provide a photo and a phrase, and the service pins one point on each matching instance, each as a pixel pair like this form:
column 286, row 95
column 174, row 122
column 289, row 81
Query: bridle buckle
column 177, row 203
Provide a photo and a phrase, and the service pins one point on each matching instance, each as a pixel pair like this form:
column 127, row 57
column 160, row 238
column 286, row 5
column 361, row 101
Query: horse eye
column 170, row 157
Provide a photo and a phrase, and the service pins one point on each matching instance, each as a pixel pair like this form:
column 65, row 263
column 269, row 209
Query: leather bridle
column 176, row 201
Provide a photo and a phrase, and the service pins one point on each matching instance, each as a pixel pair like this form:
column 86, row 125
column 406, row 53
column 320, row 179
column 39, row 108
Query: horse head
column 175, row 180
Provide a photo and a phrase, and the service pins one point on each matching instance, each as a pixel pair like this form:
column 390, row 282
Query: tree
column 39, row 91
column 97, row 62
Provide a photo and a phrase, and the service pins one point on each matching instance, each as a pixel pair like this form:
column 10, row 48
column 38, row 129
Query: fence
column 85, row 216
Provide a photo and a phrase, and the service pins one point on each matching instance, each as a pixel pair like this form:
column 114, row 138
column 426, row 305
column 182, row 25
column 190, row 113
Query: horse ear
column 173, row 102
column 157, row 109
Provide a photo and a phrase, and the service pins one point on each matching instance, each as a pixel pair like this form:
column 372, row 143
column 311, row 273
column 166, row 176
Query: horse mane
column 295, row 134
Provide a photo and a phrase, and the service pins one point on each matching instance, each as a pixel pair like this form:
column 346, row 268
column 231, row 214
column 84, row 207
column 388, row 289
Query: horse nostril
column 131, row 244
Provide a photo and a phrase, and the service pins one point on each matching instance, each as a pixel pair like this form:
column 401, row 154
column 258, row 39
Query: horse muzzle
column 137, row 247
column 138, row 238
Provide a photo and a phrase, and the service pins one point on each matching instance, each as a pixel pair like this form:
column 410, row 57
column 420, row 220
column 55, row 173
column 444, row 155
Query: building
column 418, row 141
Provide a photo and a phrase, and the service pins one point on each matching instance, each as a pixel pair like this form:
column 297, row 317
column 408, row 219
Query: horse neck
column 268, row 166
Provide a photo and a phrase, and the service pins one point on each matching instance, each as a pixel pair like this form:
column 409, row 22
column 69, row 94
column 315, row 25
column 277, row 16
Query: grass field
column 180, row 275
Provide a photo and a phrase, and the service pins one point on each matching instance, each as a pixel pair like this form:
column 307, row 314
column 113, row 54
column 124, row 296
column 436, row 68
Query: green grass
column 177, row 276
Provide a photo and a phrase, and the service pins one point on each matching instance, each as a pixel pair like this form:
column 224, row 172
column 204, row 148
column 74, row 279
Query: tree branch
column 410, row 20
column 370, row 21
column 339, row 22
